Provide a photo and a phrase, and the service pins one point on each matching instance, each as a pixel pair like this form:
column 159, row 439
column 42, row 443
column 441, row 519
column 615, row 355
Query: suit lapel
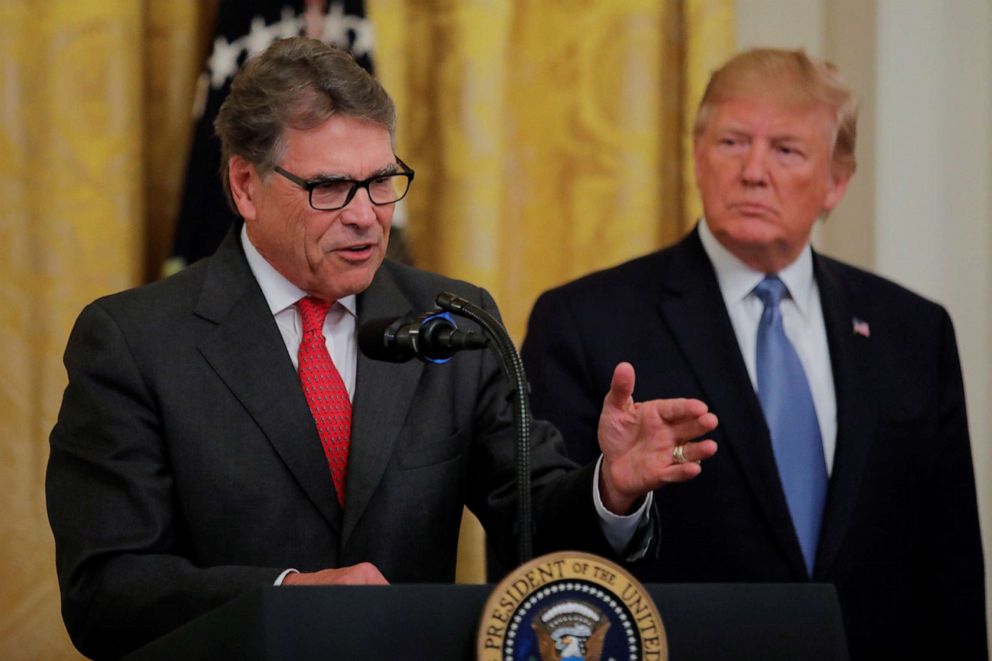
column 249, row 355
column 693, row 308
column 383, row 394
column 856, row 410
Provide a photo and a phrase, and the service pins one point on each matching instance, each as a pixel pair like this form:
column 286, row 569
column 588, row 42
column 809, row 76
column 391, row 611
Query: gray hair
column 296, row 83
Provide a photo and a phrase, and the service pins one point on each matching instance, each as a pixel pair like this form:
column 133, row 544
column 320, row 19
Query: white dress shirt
column 802, row 317
column 281, row 296
column 340, row 334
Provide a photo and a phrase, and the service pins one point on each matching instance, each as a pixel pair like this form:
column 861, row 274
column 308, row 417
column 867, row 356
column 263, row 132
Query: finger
column 681, row 472
column 679, row 408
column 685, row 423
column 689, row 429
column 695, row 454
column 698, row 450
column 621, row 386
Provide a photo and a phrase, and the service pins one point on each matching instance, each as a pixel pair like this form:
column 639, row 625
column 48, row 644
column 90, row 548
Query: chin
column 355, row 281
column 753, row 231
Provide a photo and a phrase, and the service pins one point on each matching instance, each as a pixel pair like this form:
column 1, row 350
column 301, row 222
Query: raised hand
column 646, row 445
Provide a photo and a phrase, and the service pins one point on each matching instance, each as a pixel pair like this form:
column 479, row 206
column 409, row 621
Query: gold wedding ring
column 678, row 454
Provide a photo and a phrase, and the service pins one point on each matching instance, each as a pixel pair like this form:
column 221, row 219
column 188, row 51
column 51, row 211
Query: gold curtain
column 95, row 100
column 549, row 140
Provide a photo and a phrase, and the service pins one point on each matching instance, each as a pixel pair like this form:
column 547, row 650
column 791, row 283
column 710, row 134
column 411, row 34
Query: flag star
column 260, row 36
column 364, row 36
column 289, row 24
column 223, row 61
column 335, row 26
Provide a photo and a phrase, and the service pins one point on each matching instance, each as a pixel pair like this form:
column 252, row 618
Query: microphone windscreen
column 373, row 341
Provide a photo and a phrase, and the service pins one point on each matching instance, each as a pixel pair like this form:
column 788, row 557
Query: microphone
column 432, row 337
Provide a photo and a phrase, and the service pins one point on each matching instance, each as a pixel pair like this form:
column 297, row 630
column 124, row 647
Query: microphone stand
column 514, row 368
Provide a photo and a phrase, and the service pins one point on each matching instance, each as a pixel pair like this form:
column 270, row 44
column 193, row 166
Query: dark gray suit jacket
column 186, row 469
column 900, row 536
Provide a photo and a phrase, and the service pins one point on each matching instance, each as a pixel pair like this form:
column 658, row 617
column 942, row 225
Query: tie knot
column 770, row 290
column 313, row 311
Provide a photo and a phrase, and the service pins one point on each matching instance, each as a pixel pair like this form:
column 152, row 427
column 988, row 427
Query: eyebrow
column 774, row 138
column 320, row 177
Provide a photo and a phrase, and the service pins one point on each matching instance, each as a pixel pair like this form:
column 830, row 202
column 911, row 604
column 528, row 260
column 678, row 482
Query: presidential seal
column 570, row 606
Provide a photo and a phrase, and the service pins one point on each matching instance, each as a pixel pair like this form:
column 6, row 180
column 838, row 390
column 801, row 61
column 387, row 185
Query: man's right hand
column 361, row 574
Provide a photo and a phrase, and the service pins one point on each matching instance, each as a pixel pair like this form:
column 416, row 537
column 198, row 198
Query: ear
column 697, row 149
column 244, row 182
column 835, row 192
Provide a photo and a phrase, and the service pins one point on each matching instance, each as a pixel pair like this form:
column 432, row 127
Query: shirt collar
column 279, row 292
column 737, row 280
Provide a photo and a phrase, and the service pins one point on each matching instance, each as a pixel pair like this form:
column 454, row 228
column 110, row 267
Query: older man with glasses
column 220, row 430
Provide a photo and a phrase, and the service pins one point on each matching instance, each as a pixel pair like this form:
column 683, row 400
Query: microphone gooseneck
column 433, row 337
column 513, row 366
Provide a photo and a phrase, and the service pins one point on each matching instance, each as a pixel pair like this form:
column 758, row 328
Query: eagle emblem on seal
column 570, row 631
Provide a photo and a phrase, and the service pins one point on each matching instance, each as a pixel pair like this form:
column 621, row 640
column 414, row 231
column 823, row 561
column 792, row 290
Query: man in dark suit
column 844, row 452
column 220, row 431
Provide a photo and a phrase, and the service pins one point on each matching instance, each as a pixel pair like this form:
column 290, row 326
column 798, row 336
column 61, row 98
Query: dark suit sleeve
column 564, row 512
column 957, row 562
column 563, row 390
column 568, row 388
column 112, row 506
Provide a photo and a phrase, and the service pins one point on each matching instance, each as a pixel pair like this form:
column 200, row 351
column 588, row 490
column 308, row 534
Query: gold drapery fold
column 176, row 35
column 96, row 98
column 71, row 228
column 709, row 29
column 550, row 139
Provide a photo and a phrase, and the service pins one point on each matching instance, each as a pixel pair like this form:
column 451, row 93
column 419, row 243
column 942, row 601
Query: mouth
column 356, row 252
column 752, row 209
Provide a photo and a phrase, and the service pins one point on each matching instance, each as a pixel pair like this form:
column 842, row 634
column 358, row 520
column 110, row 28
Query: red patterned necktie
column 325, row 391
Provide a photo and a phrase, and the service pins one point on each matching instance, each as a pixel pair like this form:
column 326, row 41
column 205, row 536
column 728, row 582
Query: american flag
column 860, row 327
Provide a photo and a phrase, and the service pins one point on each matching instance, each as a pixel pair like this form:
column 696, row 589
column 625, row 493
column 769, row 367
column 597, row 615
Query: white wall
column 933, row 215
column 781, row 24
column 919, row 210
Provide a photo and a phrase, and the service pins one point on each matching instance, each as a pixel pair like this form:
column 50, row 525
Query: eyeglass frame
column 310, row 184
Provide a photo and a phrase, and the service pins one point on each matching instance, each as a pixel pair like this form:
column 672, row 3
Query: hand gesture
column 646, row 445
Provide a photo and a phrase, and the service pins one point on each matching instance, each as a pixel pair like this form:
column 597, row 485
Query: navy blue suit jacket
column 900, row 536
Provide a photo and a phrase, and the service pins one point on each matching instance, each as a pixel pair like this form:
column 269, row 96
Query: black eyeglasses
column 333, row 194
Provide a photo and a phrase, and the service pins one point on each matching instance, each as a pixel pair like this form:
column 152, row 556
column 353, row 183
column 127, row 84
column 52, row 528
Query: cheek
column 309, row 237
column 716, row 175
column 384, row 215
column 318, row 244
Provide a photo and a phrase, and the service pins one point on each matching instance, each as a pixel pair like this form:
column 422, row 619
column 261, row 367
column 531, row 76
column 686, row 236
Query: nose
column 753, row 170
column 359, row 212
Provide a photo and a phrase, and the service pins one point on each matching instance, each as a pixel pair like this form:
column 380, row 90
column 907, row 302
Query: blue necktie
column 788, row 407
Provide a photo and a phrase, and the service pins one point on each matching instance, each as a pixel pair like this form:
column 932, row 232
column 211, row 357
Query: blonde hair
column 792, row 77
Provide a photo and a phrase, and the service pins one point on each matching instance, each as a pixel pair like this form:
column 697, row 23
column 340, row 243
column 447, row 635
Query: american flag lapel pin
column 860, row 327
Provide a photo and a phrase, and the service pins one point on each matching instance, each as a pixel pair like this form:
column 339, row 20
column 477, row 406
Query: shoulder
column 897, row 315
column 872, row 291
column 634, row 280
column 422, row 287
column 157, row 301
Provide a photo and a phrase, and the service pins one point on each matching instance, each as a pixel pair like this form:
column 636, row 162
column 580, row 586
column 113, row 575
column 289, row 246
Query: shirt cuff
column 619, row 530
column 283, row 575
